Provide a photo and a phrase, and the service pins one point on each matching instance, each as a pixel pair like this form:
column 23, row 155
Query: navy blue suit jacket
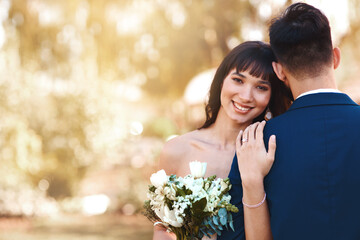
column 313, row 188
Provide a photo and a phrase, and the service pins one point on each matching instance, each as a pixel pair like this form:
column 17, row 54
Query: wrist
column 252, row 182
column 253, row 193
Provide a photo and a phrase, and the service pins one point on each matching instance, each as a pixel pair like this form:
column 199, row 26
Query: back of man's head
column 301, row 40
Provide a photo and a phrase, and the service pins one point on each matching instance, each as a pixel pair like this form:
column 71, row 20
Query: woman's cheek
column 265, row 99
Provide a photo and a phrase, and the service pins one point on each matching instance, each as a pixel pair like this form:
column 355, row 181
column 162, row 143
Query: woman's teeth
column 240, row 107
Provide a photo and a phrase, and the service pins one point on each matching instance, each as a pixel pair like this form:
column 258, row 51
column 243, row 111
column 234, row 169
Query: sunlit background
column 91, row 89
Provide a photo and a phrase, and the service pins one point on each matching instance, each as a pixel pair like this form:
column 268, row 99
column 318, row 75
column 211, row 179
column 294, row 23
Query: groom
column 313, row 188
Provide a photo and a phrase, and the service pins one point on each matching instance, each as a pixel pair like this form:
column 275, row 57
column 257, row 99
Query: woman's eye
column 238, row 80
column 263, row 88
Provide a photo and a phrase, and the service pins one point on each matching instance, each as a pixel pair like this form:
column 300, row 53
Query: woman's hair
column 255, row 57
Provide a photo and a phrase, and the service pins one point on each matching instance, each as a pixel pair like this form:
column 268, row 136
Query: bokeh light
column 91, row 90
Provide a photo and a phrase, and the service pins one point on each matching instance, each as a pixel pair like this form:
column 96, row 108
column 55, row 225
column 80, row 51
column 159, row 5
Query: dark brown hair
column 255, row 57
column 301, row 39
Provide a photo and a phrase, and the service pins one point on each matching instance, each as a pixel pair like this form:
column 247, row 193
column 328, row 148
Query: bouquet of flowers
column 190, row 207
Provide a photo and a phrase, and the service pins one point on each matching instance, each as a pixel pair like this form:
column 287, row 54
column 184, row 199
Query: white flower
column 206, row 186
column 159, row 194
column 188, row 181
column 224, row 185
column 159, row 210
column 169, row 216
column 226, row 198
column 170, row 193
column 159, row 178
column 197, row 169
column 172, row 217
column 172, row 200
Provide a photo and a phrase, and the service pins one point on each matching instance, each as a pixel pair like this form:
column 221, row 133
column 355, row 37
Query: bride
column 244, row 90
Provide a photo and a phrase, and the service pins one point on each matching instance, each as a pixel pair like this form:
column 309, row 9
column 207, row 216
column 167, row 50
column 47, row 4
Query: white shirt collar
column 322, row 90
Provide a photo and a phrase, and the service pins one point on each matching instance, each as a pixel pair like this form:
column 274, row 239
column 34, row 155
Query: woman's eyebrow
column 264, row 82
column 243, row 76
column 238, row 74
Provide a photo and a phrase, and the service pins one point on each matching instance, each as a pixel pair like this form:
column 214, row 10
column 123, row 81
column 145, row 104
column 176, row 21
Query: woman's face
column 244, row 97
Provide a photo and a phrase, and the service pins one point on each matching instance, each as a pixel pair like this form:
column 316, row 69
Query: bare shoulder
column 175, row 152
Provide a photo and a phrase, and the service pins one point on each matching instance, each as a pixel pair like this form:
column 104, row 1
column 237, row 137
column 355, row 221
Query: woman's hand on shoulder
column 253, row 159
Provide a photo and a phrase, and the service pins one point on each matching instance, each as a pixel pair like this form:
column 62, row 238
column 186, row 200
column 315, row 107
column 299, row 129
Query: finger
column 252, row 129
column 238, row 143
column 245, row 136
column 260, row 130
column 272, row 148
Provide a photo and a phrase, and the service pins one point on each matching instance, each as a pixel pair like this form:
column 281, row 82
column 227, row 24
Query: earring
column 268, row 115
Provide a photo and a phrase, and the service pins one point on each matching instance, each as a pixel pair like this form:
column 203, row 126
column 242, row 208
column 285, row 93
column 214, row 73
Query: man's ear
column 337, row 57
column 279, row 71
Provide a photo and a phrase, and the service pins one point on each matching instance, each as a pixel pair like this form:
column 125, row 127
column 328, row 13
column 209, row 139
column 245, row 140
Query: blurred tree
column 80, row 78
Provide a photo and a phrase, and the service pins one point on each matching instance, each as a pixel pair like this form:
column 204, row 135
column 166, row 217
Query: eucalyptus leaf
column 212, row 225
column 230, row 219
column 223, row 220
column 205, row 221
column 205, row 233
column 215, row 220
column 222, row 212
column 226, row 226
column 218, row 232
column 211, row 231
column 231, row 225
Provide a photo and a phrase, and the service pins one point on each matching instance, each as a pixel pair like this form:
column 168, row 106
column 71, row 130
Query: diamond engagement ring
column 244, row 140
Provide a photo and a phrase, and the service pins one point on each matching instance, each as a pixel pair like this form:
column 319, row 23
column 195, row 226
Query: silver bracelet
column 156, row 223
column 255, row 205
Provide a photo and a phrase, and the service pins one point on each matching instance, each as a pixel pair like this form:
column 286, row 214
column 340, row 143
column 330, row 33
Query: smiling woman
column 244, row 97
column 255, row 58
column 243, row 87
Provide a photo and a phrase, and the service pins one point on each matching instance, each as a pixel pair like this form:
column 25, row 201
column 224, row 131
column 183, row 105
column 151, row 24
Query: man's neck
column 322, row 90
column 300, row 86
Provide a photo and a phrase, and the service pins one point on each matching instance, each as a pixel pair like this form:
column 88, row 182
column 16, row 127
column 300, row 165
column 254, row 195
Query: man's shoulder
column 277, row 121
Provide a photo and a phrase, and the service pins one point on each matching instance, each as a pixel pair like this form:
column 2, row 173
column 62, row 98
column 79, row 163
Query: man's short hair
column 301, row 39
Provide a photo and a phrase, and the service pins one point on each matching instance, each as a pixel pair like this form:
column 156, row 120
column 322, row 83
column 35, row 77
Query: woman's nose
column 246, row 94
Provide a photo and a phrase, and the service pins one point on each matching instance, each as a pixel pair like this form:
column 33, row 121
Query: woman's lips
column 241, row 108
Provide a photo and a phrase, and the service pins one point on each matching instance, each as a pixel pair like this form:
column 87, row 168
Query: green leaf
column 212, row 225
column 197, row 211
column 206, row 233
column 180, row 192
column 222, row 212
column 152, row 188
column 223, row 220
column 172, row 178
column 231, row 225
column 200, row 204
column 215, row 220
column 211, row 231
column 230, row 219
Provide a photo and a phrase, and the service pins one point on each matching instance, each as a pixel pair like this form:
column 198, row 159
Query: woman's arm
column 169, row 162
column 254, row 164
